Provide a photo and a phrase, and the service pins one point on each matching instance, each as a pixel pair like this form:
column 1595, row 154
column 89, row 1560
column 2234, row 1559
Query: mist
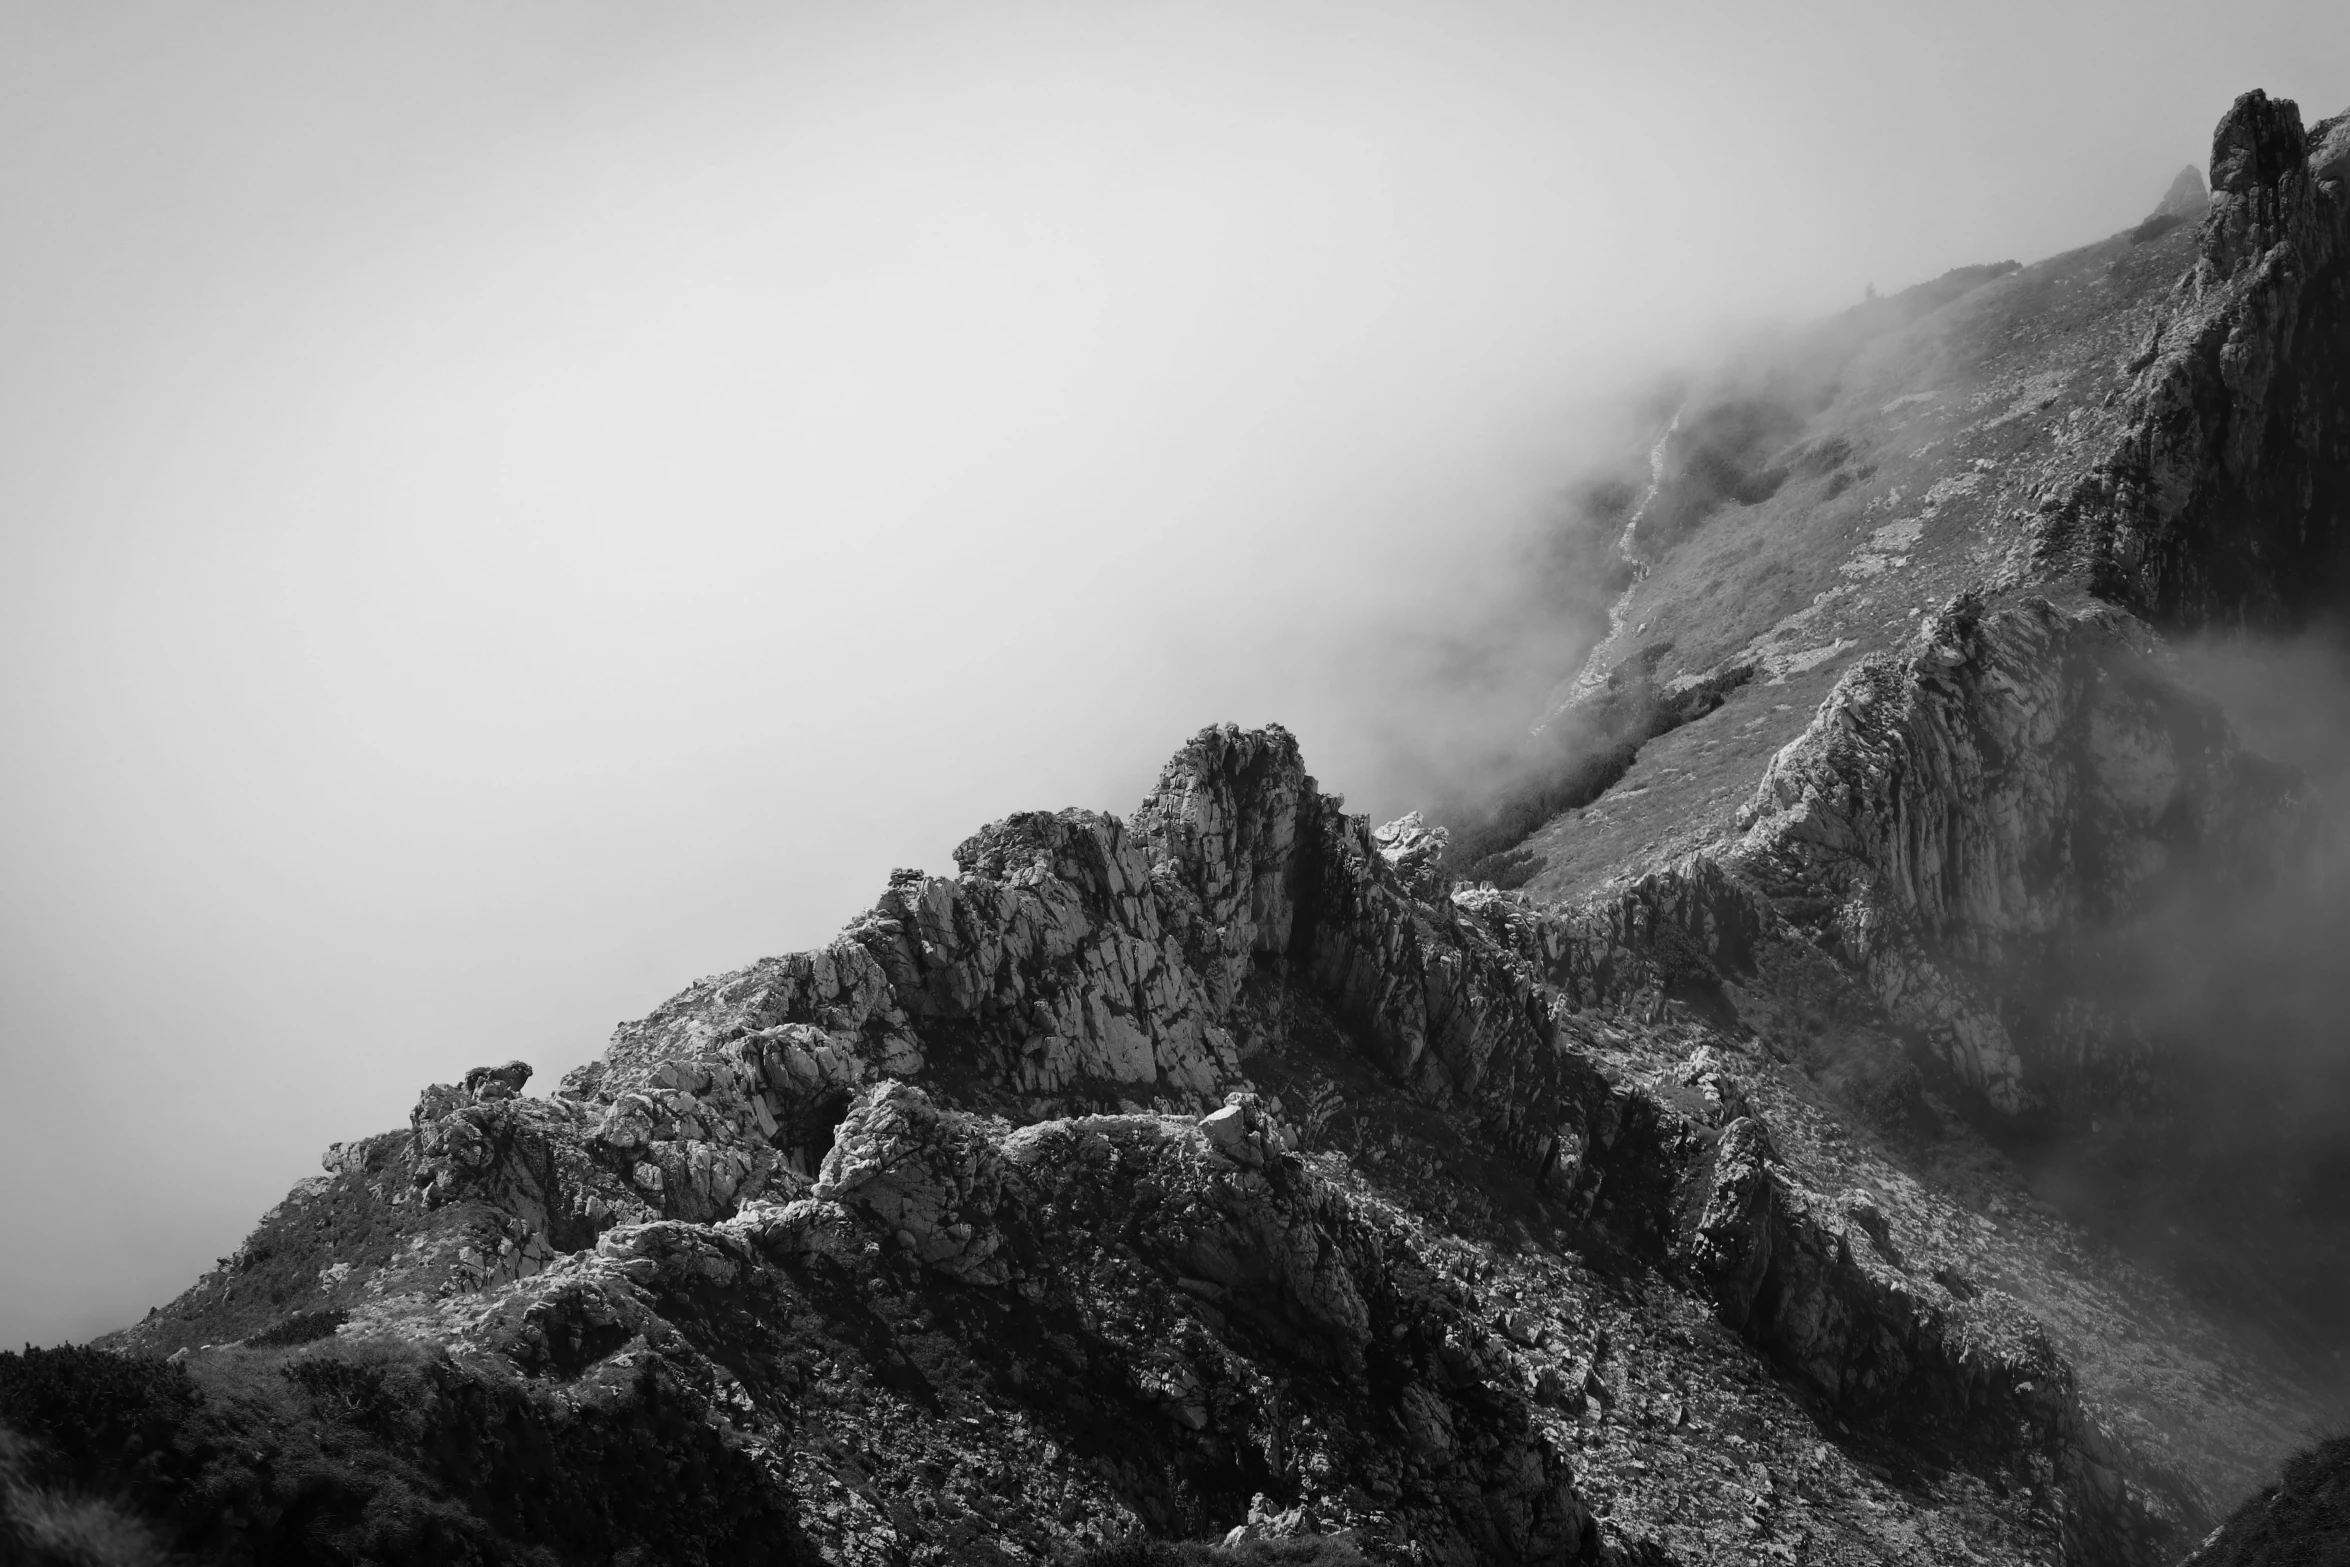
column 2228, row 1167
column 506, row 511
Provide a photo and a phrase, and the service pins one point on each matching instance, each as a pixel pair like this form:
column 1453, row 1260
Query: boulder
column 497, row 1082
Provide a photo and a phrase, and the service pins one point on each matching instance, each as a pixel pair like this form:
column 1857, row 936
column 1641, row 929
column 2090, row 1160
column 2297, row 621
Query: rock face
column 1232, row 1170
column 2015, row 779
column 2224, row 498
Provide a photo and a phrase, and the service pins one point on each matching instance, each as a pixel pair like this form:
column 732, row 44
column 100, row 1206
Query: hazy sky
column 506, row 509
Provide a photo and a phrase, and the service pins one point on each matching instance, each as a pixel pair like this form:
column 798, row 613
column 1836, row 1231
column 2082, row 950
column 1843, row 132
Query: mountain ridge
column 1227, row 1170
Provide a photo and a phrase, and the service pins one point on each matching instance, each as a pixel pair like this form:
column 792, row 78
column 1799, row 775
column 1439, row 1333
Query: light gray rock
column 2186, row 197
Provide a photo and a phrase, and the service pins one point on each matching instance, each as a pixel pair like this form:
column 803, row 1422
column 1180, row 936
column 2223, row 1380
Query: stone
column 1415, row 852
column 1226, row 1128
column 495, row 1082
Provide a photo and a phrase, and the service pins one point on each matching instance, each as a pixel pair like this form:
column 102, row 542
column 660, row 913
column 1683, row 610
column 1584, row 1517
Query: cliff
column 1233, row 1170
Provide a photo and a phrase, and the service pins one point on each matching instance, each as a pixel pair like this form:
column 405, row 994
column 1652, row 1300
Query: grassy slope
column 2301, row 1521
column 1998, row 390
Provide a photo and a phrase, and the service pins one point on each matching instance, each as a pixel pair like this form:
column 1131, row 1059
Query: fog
column 2230, row 1169
column 508, row 509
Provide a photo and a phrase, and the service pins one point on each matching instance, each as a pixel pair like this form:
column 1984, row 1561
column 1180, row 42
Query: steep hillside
column 2301, row 1521
column 1909, row 674
column 1238, row 1171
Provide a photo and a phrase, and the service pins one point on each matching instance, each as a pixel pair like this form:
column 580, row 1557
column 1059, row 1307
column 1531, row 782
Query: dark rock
column 2258, row 142
column 497, row 1082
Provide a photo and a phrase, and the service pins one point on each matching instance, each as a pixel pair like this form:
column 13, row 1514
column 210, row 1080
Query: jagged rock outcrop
column 1248, row 1238
column 2224, row 498
column 646, row 1209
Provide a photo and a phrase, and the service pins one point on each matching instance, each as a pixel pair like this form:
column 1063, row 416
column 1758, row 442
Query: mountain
column 1747, row 1133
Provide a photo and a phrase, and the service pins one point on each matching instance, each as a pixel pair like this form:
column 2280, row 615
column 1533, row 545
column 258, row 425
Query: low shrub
column 303, row 1327
column 39, row 1527
column 2301, row 1521
column 1304, row 1550
column 372, row 1450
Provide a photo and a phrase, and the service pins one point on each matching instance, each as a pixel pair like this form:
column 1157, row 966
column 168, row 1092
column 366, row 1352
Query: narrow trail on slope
column 1593, row 675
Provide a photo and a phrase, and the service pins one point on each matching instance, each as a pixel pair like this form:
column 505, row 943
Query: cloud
column 2224, row 1159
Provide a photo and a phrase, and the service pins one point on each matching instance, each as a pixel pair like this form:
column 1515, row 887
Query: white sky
column 504, row 510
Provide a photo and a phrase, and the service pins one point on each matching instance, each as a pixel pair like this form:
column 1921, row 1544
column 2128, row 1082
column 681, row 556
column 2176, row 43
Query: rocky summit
column 1646, row 1161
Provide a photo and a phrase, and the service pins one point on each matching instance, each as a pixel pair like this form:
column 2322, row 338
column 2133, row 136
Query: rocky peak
column 2186, row 197
column 2264, row 191
column 1415, row 851
column 2257, row 142
column 1225, row 821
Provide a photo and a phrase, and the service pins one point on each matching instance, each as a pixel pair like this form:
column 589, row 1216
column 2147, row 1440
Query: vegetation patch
column 377, row 1451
